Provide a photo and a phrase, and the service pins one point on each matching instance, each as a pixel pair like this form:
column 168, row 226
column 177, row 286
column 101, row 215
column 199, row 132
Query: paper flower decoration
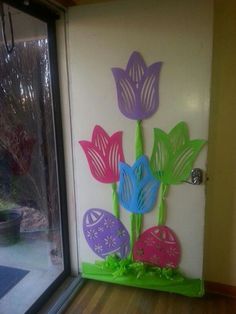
column 137, row 88
column 104, row 154
column 138, row 188
column 19, row 145
column 173, row 154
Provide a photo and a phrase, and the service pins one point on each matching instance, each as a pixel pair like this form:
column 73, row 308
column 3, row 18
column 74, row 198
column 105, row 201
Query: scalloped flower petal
column 146, row 196
column 126, row 186
column 126, row 93
column 95, row 160
column 136, row 67
column 100, row 139
column 149, row 96
column 115, row 154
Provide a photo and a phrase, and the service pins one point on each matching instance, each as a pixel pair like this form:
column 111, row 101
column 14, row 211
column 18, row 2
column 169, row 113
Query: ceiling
column 69, row 3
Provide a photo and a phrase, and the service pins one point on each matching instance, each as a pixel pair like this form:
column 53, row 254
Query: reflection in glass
column 28, row 163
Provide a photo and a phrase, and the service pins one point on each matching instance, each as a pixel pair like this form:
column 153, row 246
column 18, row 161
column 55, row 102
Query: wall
column 102, row 36
column 220, row 236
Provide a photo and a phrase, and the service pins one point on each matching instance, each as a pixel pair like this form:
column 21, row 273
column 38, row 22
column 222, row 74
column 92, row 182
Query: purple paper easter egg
column 158, row 246
column 105, row 233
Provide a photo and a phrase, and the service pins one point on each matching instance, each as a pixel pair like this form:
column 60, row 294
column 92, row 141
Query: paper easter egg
column 105, row 233
column 158, row 246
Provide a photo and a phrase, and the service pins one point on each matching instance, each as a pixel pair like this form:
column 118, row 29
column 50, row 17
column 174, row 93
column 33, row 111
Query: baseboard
column 220, row 288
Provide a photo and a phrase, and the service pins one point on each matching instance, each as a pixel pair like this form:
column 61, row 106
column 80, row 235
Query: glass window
column 31, row 249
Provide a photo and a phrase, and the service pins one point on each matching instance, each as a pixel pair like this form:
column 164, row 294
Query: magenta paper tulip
column 104, row 154
column 137, row 87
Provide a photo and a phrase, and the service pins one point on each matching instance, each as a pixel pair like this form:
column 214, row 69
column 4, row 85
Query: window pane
column 29, row 193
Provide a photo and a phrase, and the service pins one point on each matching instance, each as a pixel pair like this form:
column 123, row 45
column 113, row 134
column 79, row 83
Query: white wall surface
column 102, row 36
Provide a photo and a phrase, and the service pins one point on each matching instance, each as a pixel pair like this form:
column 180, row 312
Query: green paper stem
column 139, row 151
column 115, row 201
column 132, row 234
column 161, row 205
column 139, row 140
column 136, row 219
column 139, row 222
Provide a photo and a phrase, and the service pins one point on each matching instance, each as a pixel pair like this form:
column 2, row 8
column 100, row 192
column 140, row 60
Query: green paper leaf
column 182, row 163
column 178, row 136
column 161, row 154
column 174, row 154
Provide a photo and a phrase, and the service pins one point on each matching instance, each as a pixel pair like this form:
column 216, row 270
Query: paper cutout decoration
column 158, row 246
column 105, row 233
column 138, row 188
column 173, row 154
column 149, row 260
column 137, row 88
column 104, row 154
column 138, row 98
column 19, row 145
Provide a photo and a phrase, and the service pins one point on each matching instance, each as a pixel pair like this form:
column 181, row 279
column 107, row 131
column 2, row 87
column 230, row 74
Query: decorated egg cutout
column 158, row 246
column 105, row 233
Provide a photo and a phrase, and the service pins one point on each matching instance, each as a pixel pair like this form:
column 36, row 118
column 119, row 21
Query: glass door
column 34, row 256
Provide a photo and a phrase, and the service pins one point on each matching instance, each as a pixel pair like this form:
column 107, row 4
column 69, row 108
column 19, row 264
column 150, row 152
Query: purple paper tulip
column 137, row 88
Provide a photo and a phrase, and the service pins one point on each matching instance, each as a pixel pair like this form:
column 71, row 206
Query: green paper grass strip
column 124, row 267
column 148, row 279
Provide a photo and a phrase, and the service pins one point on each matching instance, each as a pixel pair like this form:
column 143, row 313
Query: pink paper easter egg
column 158, row 246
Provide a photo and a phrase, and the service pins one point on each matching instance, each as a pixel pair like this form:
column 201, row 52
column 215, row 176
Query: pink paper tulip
column 104, row 154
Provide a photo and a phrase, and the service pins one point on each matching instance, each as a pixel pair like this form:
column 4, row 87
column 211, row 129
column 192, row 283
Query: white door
column 103, row 36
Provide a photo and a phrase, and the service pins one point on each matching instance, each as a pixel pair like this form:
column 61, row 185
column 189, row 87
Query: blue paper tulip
column 138, row 188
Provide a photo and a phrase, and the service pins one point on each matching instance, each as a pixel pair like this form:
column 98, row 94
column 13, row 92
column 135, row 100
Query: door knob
column 197, row 176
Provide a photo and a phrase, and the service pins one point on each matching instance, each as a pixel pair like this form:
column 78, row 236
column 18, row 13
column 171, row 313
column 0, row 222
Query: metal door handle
column 196, row 177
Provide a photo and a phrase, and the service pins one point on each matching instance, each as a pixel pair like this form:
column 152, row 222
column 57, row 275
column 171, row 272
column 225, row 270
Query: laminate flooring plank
column 118, row 301
column 102, row 298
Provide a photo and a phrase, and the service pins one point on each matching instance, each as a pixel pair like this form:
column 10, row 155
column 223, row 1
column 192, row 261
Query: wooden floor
column 101, row 298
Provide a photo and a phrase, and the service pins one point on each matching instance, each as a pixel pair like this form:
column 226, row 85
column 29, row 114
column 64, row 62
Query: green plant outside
column 6, row 205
